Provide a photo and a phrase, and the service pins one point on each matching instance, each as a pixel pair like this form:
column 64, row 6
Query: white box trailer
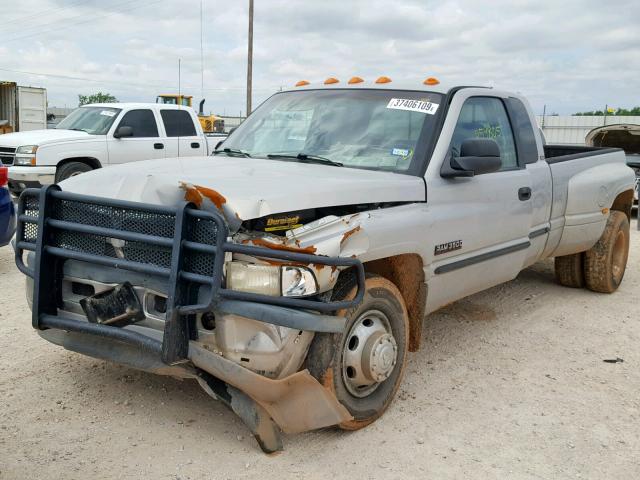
column 22, row 108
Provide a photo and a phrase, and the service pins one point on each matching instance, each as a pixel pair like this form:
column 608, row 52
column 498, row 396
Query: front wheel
column 71, row 169
column 364, row 366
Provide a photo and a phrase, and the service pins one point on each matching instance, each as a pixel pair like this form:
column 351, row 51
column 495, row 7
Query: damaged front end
column 188, row 306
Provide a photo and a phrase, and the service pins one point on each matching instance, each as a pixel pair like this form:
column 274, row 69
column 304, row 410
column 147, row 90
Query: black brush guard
column 183, row 245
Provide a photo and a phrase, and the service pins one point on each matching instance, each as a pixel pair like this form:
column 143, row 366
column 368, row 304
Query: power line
column 123, row 84
column 45, row 12
column 89, row 20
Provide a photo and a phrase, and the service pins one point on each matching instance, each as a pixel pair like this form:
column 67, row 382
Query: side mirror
column 477, row 156
column 122, row 132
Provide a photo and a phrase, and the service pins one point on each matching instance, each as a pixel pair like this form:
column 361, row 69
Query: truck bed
column 563, row 153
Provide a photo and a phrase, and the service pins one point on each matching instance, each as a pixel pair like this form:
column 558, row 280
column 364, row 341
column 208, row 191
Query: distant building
column 572, row 130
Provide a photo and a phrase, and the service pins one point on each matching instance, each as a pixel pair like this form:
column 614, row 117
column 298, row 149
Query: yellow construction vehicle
column 209, row 123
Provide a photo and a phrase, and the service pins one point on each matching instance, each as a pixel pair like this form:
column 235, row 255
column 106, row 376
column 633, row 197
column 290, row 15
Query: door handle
column 524, row 193
column 158, row 146
column 195, row 145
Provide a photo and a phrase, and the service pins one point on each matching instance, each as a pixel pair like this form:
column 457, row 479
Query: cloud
column 572, row 55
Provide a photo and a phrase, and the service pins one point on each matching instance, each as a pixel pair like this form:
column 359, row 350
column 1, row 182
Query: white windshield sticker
column 413, row 105
column 108, row 113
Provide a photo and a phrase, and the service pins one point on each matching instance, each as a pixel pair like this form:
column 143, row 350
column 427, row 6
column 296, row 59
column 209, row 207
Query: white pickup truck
column 99, row 135
column 290, row 273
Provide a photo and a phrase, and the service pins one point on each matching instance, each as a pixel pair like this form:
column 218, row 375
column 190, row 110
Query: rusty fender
column 297, row 403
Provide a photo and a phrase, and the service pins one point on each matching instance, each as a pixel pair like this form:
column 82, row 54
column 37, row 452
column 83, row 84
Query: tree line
column 635, row 111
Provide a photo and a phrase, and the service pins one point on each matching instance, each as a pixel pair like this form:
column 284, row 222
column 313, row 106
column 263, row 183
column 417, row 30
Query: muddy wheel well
column 406, row 272
column 92, row 162
column 623, row 203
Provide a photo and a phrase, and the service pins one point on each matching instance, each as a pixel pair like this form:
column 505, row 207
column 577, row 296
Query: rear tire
column 363, row 367
column 606, row 261
column 570, row 270
column 71, row 169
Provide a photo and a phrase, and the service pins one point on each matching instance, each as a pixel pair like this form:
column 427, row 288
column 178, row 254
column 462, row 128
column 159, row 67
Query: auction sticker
column 108, row 113
column 413, row 105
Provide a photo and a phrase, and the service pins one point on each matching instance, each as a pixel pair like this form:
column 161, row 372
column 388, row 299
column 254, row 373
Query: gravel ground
column 510, row 383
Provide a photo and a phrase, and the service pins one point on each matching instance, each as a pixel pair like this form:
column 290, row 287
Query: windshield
column 377, row 129
column 93, row 120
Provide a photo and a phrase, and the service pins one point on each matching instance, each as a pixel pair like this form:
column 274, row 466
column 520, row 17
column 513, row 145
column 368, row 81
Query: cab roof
column 136, row 105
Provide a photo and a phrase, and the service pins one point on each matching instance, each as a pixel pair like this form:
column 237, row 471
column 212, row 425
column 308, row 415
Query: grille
column 107, row 216
column 130, row 220
column 7, row 155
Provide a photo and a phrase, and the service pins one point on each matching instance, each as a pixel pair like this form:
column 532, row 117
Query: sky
column 569, row 55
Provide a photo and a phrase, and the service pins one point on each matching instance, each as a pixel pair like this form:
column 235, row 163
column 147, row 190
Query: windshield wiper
column 307, row 158
column 232, row 151
column 77, row 130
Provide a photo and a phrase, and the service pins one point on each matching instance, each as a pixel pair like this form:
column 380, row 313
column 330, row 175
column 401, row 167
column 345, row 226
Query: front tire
column 606, row 261
column 364, row 366
column 71, row 169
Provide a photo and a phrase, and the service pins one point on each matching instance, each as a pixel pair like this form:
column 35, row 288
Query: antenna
column 179, row 101
column 201, row 49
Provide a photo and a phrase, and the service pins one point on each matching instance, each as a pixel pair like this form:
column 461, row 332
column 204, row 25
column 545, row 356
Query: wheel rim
column 619, row 256
column 369, row 354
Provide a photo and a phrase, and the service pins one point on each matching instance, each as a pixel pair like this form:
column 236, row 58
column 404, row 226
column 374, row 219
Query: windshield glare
column 376, row 129
column 93, row 120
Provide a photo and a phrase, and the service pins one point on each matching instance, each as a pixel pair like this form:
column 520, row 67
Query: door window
column 527, row 147
column 143, row 123
column 178, row 123
column 486, row 117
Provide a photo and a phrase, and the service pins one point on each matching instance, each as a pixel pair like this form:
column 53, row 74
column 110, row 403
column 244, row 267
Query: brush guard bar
column 182, row 244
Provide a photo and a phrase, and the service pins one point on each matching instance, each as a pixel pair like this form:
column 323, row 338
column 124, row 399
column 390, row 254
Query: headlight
column 286, row 281
column 28, row 149
column 25, row 155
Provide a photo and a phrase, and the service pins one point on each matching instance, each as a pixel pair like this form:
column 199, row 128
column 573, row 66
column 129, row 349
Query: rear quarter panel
column 584, row 190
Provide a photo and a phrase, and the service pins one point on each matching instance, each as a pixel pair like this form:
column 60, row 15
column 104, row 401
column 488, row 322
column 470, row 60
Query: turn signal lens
column 353, row 80
column 383, row 79
column 331, row 80
column 431, row 81
column 298, row 282
column 302, row 83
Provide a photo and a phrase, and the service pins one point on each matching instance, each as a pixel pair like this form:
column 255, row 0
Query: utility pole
column 250, row 58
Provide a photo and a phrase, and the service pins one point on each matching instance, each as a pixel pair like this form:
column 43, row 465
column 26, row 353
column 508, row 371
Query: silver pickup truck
column 290, row 272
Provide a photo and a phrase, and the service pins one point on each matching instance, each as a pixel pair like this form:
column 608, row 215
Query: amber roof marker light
column 302, row 83
column 331, row 80
column 354, row 80
column 383, row 79
column 431, row 81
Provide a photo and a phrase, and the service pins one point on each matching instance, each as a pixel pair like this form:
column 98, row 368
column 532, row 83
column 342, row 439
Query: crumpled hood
column 250, row 187
column 40, row 137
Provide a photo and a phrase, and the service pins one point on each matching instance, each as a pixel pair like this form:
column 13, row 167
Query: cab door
column 144, row 144
column 182, row 137
column 480, row 235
